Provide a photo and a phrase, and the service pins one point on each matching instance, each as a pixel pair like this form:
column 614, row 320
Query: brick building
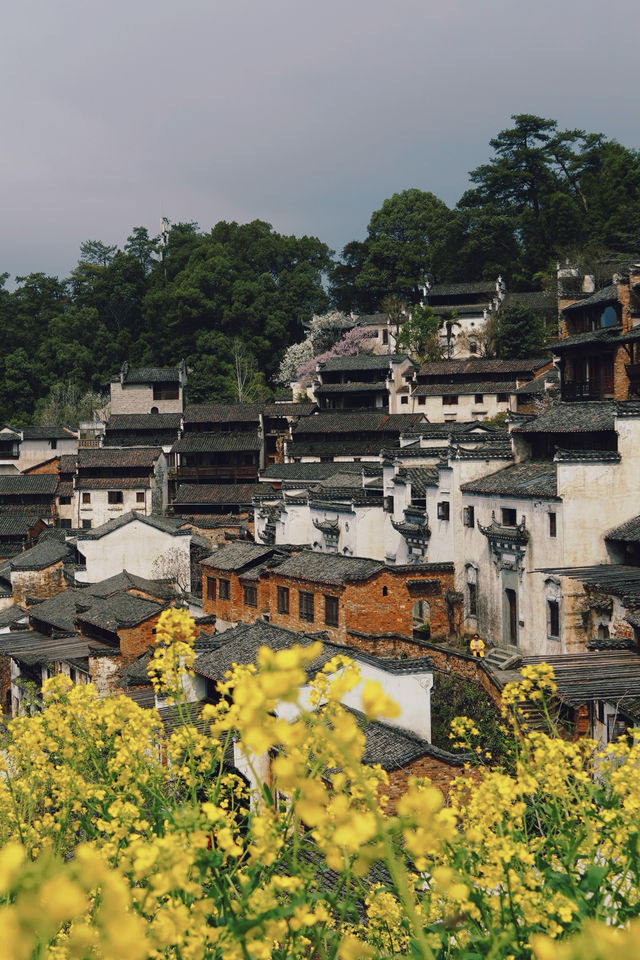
column 148, row 389
column 309, row 590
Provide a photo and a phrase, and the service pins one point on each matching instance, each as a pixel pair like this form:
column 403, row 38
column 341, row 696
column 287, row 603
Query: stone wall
column 464, row 665
column 37, row 584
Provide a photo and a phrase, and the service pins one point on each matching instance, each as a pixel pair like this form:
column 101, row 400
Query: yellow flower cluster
column 121, row 839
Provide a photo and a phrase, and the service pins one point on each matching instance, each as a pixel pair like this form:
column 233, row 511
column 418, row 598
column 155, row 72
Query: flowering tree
column 357, row 340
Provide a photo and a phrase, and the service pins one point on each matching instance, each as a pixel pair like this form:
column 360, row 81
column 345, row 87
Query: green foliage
column 454, row 696
column 520, row 333
column 419, row 336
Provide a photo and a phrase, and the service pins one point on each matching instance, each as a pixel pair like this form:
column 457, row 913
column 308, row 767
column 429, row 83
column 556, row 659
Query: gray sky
column 305, row 114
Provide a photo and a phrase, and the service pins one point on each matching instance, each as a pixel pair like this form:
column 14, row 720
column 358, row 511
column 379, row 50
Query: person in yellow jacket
column 476, row 645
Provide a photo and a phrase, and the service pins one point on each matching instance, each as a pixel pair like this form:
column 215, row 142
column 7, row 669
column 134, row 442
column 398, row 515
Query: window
column 388, row 504
column 331, row 611
column 450, row 401
column 165, row 391
column 553, row 619
column 65, row 524
column 223, row 589
column 616, row 728
column 508, row 517
column 468, row 516
column 443, row 510
column 306, row 606
column 421, row 401
column 472, row 599
column 139, row 496
column 114, row 496
column 552, row 525
column 211, row 588
column 250, row 596
column 283, row 600
column 502, row 398
column 385, row 336
column 54, row 444
column 64, row 501
column 86, row 524
column 479, row 398
column 86, row 498
column 404, row 400
column 385, row 591
column 473, row 347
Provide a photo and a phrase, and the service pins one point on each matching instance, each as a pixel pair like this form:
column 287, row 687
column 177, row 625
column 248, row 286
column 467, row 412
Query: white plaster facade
column 135, row 547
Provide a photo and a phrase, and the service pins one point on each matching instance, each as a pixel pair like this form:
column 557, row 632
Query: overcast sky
column 304, row 114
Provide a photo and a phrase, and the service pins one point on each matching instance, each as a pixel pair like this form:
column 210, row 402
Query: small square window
column 65, row 524
column 421, row 401
column 139, row 496
column 553, row 529
column 86, row 524
column 64, row 501
column 404, row 400
column 502, row 398
column 283, row 600
column 306, row 606
column 115, row 496
column 223, row 589
column 450, row 401
column 443, row 510
column 508, row 517
column 86, row 498
column 250, row 596
column 479, row 398
column 331, row 611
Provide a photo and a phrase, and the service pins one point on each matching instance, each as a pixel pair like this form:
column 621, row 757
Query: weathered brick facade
column 37, row 584
column 138, row 639
column 449, row 660
column 439, row 770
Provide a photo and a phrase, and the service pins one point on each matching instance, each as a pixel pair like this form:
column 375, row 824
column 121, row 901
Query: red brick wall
column 464, row 665
column 135, row 640
column 234, row 610
column 5, row 683
column 438, row 771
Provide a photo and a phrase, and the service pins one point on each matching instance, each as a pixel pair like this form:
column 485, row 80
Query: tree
column 520, row 333
column 419, row 336
column 249, row 385
column 448, row 321
column 174, row 565
column 68, row 404
column 93, row 251
column 404, row 242
column 357, row 340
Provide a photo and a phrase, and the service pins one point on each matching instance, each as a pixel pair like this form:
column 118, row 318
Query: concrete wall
column 135, row 547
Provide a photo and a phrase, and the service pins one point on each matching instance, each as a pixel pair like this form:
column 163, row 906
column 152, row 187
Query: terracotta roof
column 523, row 480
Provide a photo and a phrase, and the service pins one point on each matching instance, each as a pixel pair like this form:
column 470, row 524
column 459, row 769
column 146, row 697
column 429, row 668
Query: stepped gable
column 537, row 479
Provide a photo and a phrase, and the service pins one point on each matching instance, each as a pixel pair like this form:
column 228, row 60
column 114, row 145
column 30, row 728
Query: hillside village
column 392, row 509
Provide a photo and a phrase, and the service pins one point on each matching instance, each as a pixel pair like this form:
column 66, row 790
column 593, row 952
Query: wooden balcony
column 229, row 474
column 600, row 389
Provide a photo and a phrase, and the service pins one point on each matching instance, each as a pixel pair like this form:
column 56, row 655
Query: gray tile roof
column 421, row 478
column 95, row 458
column 328, row 567
column 310, row 472
column 523, row 480
column 627, row 532
column 194, row 494
column 336, row 448
column 222, row 413
column 580, row 417
column 26, row 484
column 463, row 389
column 43, row 555
column 119, row 611
column 247, row 441
column 48, row 433
column 16, row 526
column 542, row 301
column 32, row 648
column 363, row 361
column 394, row 748
column 281, row 408
column 362, row 421
column 237, row 555
column 541, row 385
column 476, row 366
column 171, row 525
column 351, row 387
column 599, row 298
column 113, row 483
column 487, row 287
column 588, row 676
column 144, row 421
column 150, row 375
column 586, row 456
column 617, row 579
